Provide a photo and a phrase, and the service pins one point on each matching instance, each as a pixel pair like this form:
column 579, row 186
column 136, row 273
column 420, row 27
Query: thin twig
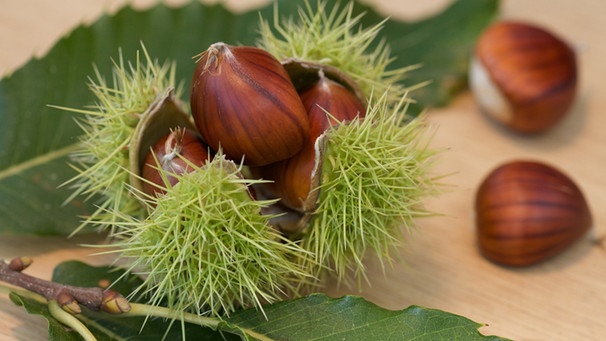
column 63, row 301
column 68, row 297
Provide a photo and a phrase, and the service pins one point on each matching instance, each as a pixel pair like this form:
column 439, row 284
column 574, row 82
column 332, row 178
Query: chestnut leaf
column 36, row 140
column 315, row 317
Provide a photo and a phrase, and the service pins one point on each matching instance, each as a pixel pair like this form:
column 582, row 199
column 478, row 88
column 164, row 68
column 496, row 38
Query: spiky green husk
column 206, row 247
column 373, row 179
column 334, row 38
column 375, row 171
column 108, row 127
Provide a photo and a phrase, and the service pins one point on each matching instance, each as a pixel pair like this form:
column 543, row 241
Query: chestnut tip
column 244, row 103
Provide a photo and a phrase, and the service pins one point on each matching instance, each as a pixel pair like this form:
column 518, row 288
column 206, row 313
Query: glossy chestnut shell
column 327, row 103
column 180, row 152
column 244, row 103
column 524, row 76
column 527, row 212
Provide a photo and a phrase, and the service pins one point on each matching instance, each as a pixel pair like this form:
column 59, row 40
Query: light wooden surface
column 563, row 299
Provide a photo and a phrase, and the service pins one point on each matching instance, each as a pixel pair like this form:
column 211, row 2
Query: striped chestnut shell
column 327, row 103
column 523, row 76
column 244, row 103
column 527, row 212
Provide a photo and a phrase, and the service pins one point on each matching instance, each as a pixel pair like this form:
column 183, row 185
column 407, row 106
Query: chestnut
column 179, row 152
column 327, row 103
column 244, row 103
column 523, row 76
column 527, row 212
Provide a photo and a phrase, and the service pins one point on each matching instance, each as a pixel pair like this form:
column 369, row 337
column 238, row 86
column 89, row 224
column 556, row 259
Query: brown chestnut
column 527, row 212
column 244, row 103
column 523, row 76
column 177, row 153
column 327, row 103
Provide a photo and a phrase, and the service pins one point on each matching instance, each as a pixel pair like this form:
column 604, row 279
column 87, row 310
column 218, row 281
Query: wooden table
column 563, row 299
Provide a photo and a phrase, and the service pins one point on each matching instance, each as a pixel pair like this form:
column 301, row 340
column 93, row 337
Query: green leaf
column 319, row 317
column 35, row 139
column 315, row 317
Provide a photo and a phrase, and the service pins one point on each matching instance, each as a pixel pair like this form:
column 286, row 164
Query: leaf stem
column 8, row 289
column 138, row 309
column 93, row 324
column 70, row 320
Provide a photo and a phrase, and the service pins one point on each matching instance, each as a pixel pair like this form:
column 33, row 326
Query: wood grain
column 564, row 299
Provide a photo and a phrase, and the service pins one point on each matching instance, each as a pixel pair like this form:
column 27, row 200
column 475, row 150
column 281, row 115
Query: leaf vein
column 37, row 161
